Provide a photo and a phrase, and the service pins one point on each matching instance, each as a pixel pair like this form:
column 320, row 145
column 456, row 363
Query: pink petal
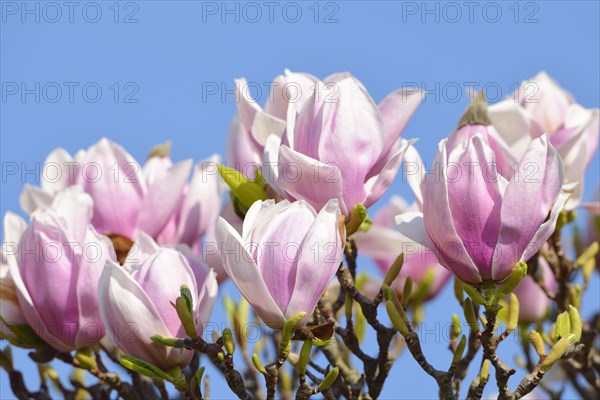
column 475, row 200
column 162, row 198
column 161, row 276
column 352, row 136
column 244, row 272
column 439, row 223
column 396, row 110
column 131, row 319
column 96, row 250
column 115, row 182
column 60, row 171
column 33, row 198
column 278, row 248
column 308, row 179
column 202, row 202
column 49, row 267
column 377, row 185
column 291, row 87
column 527, row 202
column 320, row 257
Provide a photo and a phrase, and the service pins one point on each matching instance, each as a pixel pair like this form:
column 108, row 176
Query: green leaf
column 187, row 297
column 246, row 191
column 144, row 368
column 358, row 216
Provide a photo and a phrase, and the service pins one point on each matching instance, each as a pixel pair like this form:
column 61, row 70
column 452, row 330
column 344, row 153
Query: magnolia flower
column 479, row 223
column 384, row 243
column 58, row 264
column 340, row 144
column 548, row 108
column 10, row 312
column 285, row 258
column 125, row 202
column 250, row 129
column 533, row 302
column 135, row 302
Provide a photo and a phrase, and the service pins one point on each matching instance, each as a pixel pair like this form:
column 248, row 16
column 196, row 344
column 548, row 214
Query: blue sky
column 144, row 72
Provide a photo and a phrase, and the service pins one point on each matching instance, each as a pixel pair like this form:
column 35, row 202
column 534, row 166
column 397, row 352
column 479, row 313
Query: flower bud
column 575, row 327
column 304, row 356
column 358, row 216
column 563, row 325
column 459, row 350
column 556, row 352
column 470, row 315
column 329, row 379
column 228, row 341
column 513, row 313
column 258, row 364
column 394, row 270
column 396, row 319
column 538, row 343
column 515, row 277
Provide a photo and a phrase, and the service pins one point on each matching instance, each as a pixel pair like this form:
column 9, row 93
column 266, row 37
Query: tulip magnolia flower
column 340, row 144
column 135, row 302
column 125, row 202
column 384, row 243
column 285, row 258
column 479, row 223
column 10, row 312
column 533, row 302
column 56, row 271
column 249, row 131
column 548, row 108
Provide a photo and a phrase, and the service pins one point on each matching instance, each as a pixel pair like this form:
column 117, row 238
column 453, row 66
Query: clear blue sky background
column 170, row 51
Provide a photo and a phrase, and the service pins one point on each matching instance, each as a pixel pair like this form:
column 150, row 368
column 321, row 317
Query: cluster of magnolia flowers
column 112, row 247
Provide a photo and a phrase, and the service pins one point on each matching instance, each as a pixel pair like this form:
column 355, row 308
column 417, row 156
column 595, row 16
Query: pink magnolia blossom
column 541, row 106
column 384, row 243
column 128, row 199
column 339, row 144
column 135, row 301
column 480, row 223
column 56, row 271
column 285, row 258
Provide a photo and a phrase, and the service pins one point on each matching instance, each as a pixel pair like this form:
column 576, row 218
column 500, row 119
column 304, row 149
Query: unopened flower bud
column 538, row 343
column 575, row 322
column 563, row 326
column 258, row 364
column 470, row 315
column 396, row 318
column 513, row 313
column 394, row 270
column 228, row 341
column 459, row 350
column 329, row 379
